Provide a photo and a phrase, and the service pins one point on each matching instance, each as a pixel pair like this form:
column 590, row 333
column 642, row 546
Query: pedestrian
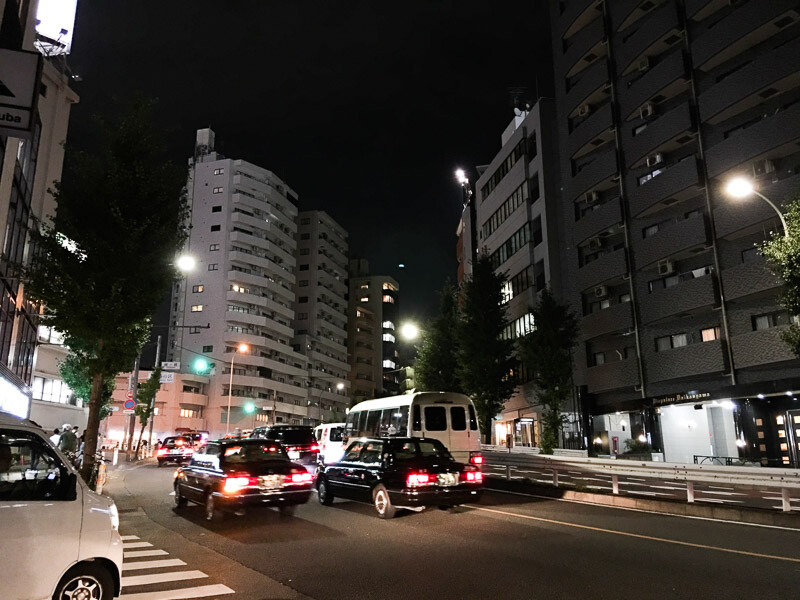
column 68, row 441
column 55, row 437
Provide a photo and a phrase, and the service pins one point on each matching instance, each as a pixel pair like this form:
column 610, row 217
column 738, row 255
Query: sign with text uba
column 20, row 74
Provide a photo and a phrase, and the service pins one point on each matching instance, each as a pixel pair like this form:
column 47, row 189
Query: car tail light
column 161, row 452
column 272, row 449
column 475, row 458
column 298, row 478
column 237, row 484
column 314, row 448
column 188, row 450
column 473, row 477
column 419, row 479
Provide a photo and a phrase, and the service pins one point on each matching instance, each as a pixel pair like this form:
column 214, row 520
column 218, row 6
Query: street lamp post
column 739, row 187
column 242, row 348
column 339, row 386
column 466, row 191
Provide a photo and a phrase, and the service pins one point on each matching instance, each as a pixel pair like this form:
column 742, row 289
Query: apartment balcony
column 287, row 408
column 677, row 240
column 675, row 183
column 659, row 30
column 617, row 317
column 253, row 222
column 764, row 347
column 744, row 28
column 596, row 174
column 614, row 375
column 248, row 260
column 269, row 385
column 603, row 269
column 585, row 47
column 246, row 238
column 773, row 73
column 601, row 219
column 246, row 279
column 737, row 218
column 625, row 12
column 665, row 133
column 578, row 14
column 595, row 131
column 662, row 81
column 687, row 361
column 691, row 296
column 238, row 316
column 192, row 399
column 698, row 10
column 773, row 137
column 749, row 279
column 591, row 89
column 262, row 301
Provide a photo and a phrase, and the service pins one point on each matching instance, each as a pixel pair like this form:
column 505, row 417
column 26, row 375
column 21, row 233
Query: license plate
column 270, row 482
column 294, row 455
column 447, row 479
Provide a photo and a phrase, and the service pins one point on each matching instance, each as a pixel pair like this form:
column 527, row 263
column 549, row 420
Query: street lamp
column 241, row 348
column 409, row 331
column 466, row 191
column 739, row 187
column 185, row 263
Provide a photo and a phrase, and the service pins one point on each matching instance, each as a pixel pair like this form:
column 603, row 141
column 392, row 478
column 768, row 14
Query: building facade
column 660, row 104
column 320, row 314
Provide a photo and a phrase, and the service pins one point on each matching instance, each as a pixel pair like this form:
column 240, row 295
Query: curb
column 754, row 516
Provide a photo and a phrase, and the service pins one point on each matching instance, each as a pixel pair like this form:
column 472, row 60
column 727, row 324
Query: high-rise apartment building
column 320, row 314
column 660, row 104
column 372, row 333
column 241, row 291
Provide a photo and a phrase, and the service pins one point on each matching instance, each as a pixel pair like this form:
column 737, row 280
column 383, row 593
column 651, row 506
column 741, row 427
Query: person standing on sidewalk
column 56, row 437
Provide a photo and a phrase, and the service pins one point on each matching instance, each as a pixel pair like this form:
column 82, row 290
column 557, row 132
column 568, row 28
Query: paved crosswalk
column 148, row 573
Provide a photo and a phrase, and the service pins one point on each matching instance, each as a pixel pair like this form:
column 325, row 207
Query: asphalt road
column 507, row 546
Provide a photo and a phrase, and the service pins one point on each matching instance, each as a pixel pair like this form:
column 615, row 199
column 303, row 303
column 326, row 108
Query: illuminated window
column 779, row 420
column 388, row 325
column 213, row 267
column 189, row 413
column 218, row 190
column 389, row 364
column 197, row 289
column 389, row 286
column 197, row 308
column 156, row 411
column 213, row 247
column 507, row 292
column 219, row 171
column 388, row 299
column 364, row 286
column 388, row 337
column 364, row 299
column 710, row 334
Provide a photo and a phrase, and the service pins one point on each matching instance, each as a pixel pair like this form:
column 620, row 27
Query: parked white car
column 58, row 538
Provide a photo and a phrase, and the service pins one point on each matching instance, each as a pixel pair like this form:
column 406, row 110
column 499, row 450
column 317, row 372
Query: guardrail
column 780, row 479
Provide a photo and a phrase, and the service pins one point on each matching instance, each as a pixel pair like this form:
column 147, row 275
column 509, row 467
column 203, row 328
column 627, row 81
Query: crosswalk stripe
column 142, row 553
column 161, row 577
column 202, row 591
column 127, row 538
column 127, row 545
column 152, row 564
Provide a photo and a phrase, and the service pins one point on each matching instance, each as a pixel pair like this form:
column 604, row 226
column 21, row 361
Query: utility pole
column 134, row 391
column 153, row 401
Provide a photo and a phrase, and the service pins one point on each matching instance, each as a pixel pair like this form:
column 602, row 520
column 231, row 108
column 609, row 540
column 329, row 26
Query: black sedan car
column 298, row 441
column 237, row 474
column 400, row 472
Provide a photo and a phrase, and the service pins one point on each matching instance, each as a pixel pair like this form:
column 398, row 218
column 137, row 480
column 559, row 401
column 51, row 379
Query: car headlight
column 114, row 514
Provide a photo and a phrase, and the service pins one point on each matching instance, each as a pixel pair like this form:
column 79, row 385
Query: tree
column 145, row 401
column 106, row 261
column 75, row 373
column 484, row 357
column 782, row 253
column 547, row 353
column 437, row 354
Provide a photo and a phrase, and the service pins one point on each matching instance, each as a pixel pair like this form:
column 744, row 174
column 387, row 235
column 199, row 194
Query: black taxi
column 399, row 472
column 234, row 474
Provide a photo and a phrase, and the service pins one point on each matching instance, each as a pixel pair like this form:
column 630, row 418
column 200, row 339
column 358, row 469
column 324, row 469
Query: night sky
column 365, row 108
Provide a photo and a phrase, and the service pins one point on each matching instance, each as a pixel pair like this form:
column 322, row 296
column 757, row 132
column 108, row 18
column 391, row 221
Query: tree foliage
column 547, row 353
column 106, row 262
column 484, row 358
column 782, row 253
column 437, row 354
column 75, row 373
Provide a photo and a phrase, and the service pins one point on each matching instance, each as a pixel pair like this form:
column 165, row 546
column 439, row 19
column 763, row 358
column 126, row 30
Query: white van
column 445, row 416
column 329, row 436
column 58, row 539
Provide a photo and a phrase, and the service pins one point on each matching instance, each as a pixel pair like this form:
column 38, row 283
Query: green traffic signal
column 201, row 366
column 249, row 408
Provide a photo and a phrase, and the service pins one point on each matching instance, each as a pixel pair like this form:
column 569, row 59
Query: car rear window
column 293, row 436
column 237, row 454
column 173, row 442
column 433, row 448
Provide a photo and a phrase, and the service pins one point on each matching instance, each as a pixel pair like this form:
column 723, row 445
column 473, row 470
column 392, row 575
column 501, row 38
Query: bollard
column 116, row 456
column 101, row 478
column 508, row 472
column 690, row 491
column 615, row 484
column 785, row 503
column 555, row 478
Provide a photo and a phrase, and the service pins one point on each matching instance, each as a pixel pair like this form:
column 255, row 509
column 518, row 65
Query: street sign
column 127, row 411
column 167, row 378
column 20, row 73
column 129, row 395
column 129, row 405
column 170, row 366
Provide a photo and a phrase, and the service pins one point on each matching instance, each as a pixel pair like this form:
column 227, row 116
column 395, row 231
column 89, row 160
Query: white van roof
column 407, row 399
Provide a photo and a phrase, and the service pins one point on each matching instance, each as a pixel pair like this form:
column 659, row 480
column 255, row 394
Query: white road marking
column 130, row 545
column 152, row 564
column 161, row 577
column 127, row 538
column 143, row 553
column 202, row 591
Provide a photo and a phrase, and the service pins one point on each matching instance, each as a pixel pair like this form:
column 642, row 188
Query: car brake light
column 272, row 449
column 315, row 448
column 188, row 450
column 298, row 478
column 473, row 476
column 161, row 452
column 237, row 484
column 418, row 479
column 476, row 460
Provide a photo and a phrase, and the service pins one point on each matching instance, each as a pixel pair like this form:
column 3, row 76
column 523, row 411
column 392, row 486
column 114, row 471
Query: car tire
column 90, row 578
column 382, row 503
column 210, row 506
column 324, row 494
column 180, row 499
column 287, row 510
column 160, row 463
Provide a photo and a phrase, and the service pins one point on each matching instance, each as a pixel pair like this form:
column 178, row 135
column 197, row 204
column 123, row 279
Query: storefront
column 521, row 430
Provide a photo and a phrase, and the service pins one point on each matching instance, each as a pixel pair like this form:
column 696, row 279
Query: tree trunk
column 141, row 433
column 92, row 426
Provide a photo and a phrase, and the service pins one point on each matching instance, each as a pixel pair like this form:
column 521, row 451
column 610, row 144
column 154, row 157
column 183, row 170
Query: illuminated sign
column 56, row 21
column 20, row 73
column 12, row 400
column 677, row 398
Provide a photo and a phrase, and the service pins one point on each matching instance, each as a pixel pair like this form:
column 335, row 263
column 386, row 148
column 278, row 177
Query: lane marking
column 649, row 512
column 152, row 564
column 128, row 538
column 143, row 553
column 202, row 591
column 131, row 545
column 637, row 535
column 161, row 578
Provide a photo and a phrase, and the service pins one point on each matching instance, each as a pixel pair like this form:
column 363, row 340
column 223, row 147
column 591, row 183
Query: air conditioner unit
column 762, row 167
column 644, row 64
column 584, row 110
column 666, row 267
column 595, row 243
column 592, row 197
column 600, row 291
column 655, row 159
column 648, row 110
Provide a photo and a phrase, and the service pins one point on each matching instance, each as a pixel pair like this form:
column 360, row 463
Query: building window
column 768, row 321
column 388, row 299
column 389, row 286
column 304, row 283
column 599, row 358
column 304, row 251
column 304, row 267
column 389, row 364
column 305, row 236
column 302, row 316
column 750, row 254
column 197, row 289
column 213, row 267
column 218, row 190
column 388, row 337
column 364, row 286
column 305, row 221
column 303, row 299
column 213, row 247
column 208, row 348
column 364, row 299
column 649, row 231
column 677, row 340
column 215, row 228
column 197, row 308
column 710, row 334
column 216, row 209
column 624, row 298
column 194, row 330
column 219, row 171
column 388, row 325
column 648, row 176
column 189, row 413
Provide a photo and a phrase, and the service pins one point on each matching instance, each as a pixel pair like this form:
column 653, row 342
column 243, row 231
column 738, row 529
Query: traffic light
column 249, row 408
column 201, row 366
